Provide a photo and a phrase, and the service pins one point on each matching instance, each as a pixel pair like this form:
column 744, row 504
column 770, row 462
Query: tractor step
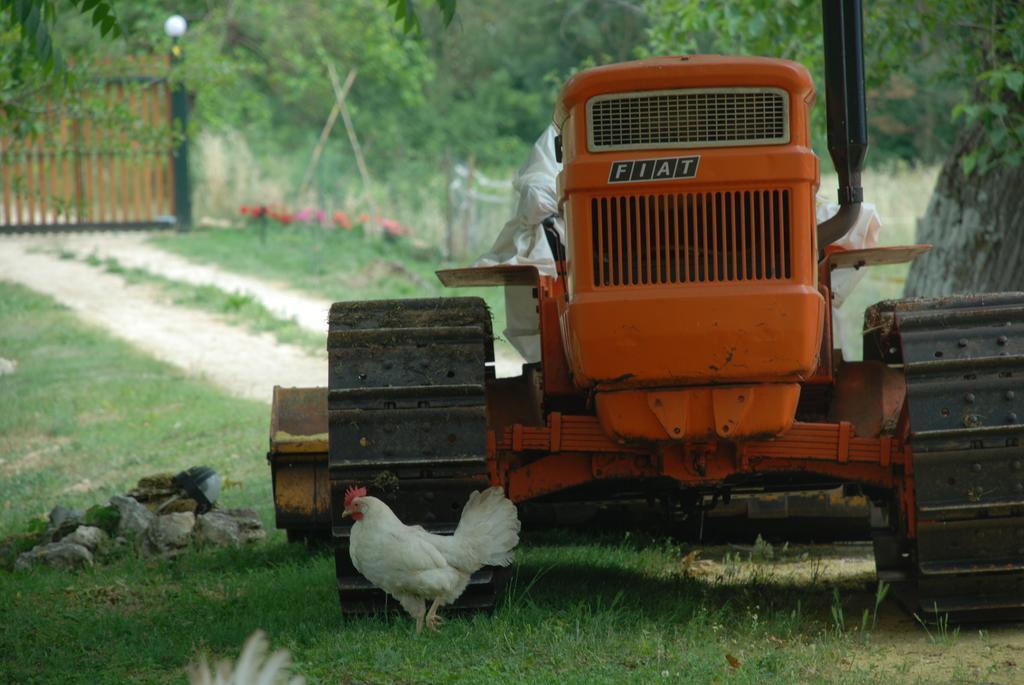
column 963, row 357
column 407, row 419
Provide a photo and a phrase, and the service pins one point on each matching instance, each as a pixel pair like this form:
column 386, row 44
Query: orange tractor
column 687, row 347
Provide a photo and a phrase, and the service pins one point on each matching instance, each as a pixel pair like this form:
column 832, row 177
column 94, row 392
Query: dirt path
column 245, row 364
column 132, row 251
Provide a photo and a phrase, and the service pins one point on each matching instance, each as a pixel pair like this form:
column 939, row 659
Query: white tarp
column 522, row 241
column 863, row 234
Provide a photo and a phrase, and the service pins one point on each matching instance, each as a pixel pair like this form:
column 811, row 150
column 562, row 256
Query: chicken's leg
column 433, row 620
column 415, row 606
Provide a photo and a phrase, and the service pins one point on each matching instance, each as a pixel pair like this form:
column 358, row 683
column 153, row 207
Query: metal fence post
column 179, row 122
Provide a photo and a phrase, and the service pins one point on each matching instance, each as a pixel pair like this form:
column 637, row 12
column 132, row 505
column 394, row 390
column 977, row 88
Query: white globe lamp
column 175, row 26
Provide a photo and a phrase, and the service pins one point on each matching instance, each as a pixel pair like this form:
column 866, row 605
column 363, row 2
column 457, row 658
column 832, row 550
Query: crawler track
column 964, row 363
column 407, row 418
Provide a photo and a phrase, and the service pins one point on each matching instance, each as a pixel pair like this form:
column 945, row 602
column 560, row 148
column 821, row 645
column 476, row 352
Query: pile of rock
column 169, row 534
column 75, row 539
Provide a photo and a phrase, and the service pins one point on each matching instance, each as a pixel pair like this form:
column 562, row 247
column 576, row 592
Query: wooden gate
column 110, row 170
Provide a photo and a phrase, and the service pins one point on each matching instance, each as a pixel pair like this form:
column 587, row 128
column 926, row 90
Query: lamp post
column 175, row 28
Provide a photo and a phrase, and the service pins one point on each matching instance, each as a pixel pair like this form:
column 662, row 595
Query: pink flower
column 393, row 228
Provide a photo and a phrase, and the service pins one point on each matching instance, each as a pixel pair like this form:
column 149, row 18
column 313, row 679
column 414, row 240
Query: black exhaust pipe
column 843, row 34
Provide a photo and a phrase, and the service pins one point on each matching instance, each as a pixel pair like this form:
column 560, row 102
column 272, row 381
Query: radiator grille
column 688, row 118
column 691, row 238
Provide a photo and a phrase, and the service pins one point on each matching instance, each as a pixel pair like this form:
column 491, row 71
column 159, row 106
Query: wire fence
column 478, row 207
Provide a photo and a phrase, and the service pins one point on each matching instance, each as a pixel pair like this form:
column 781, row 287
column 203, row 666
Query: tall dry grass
column 226, row 176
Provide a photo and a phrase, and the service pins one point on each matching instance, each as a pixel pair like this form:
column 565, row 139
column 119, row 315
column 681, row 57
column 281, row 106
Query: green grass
column 628, row 622
column 236, row 308
column 334, row 264
column 86, row 415
column 583, row 609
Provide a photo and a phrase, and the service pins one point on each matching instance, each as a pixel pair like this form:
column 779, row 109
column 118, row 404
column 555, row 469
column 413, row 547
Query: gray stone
column 7, row 366
column 63, row 555
column 250, row 525
column 89, row 537
column 135, row 518
column 169, row 534
column 62, row 517
column 219, row 529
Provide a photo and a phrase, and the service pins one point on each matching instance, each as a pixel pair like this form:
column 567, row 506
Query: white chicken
column 253, row 667
column 413, row 565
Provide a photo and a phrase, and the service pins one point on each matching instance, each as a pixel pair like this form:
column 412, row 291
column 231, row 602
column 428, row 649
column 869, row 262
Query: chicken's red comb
column 352, row 493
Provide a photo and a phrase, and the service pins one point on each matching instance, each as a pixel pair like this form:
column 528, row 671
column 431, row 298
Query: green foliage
column 836, row 610
column 257, row 68
column 35, row 20
column 974, row 48
column 880, row 594
column 762, row 551
column 997, row 102
column 942, row 635
column 482, row 87
column 40, row 82
column 103, row 516
column 499, row 71
column 13, row 545
column 405, row 13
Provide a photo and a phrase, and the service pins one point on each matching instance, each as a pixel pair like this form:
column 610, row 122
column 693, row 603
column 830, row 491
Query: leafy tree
column 499, row 71
column 975, row 214
column 34, row 20
column 32, row 66
column 483, row 85
column 405, row 12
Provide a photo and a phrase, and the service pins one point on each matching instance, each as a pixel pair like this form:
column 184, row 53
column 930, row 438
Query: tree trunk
column 976, row 224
